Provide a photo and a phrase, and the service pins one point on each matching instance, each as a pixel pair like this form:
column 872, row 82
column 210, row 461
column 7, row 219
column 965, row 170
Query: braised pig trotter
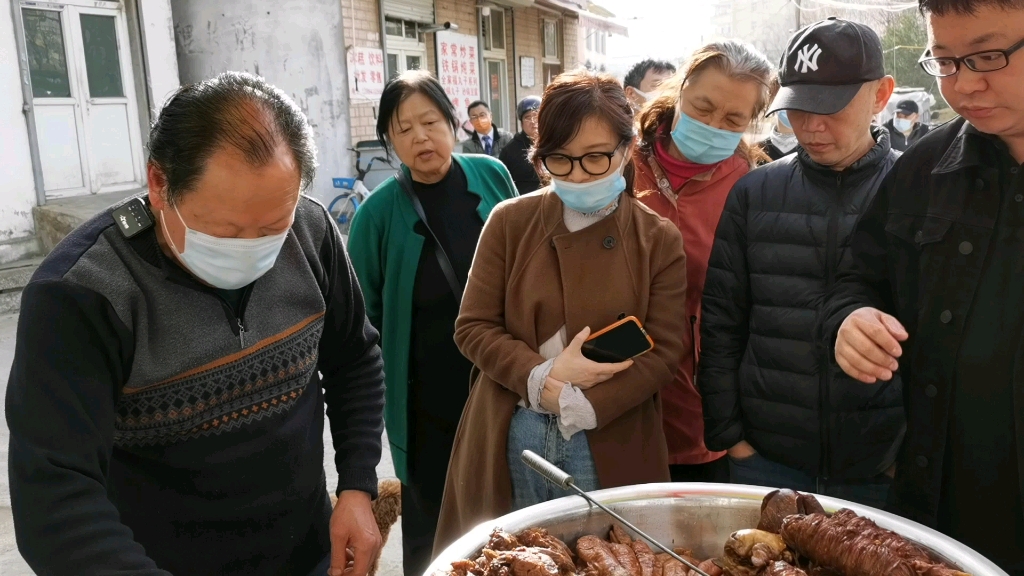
column 626, row 557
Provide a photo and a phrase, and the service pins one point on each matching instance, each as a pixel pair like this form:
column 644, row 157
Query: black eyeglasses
column 984, row 61
column 595, row 163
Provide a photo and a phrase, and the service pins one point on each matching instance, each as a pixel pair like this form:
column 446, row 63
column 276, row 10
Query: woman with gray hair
column 690, row 155
column 411, row 245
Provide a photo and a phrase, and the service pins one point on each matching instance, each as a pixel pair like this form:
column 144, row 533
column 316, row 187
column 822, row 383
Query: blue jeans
column 757, row 470
column 539, row 433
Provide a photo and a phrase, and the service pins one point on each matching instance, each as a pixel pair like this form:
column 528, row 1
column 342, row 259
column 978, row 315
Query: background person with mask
column 904, row 129
column 937, row 293
column 788, row 417
column 166, row 403
column 487, row 138
column 781, row 141
column 644, row 78
column 409, row 297
column 515, row 156
column 690, row 155
column 551, row 267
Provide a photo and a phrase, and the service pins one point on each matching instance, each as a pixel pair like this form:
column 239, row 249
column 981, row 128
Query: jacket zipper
column 830, row 272
column 693, row 340
column 239, row 320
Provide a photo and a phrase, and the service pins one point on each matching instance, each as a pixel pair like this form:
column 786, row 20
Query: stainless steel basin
column 696, row 516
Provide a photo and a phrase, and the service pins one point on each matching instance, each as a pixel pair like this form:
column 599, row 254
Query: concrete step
column 57, row 218
column 14, row 276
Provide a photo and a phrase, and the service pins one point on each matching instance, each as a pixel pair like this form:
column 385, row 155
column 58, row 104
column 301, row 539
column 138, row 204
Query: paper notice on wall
column 365, row 73
column 458, row 72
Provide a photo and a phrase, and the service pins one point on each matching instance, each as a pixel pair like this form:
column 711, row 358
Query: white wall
column 17, row 183
column 296, row 45
column 161, row 60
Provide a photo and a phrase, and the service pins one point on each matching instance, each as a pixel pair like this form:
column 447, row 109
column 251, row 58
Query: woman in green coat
column 413, row 290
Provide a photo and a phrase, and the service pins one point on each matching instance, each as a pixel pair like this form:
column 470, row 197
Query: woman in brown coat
column 551, row 266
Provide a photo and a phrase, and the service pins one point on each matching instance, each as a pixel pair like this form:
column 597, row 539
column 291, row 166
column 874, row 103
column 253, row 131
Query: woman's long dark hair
column 574, row 97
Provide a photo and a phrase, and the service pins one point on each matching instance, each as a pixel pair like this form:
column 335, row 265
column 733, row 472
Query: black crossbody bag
column 442, row 257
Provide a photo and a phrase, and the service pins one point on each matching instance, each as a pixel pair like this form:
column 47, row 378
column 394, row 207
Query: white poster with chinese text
column 365, row 73
column 457, row 71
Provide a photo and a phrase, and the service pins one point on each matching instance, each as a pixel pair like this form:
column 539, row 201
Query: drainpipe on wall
column 26, row 108
column 515, row 74
column 383, row 39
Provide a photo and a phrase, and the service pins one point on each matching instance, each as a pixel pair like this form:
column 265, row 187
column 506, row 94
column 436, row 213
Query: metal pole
column 27, row 109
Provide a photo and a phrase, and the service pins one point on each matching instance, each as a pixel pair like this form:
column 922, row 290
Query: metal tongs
column 559, row 478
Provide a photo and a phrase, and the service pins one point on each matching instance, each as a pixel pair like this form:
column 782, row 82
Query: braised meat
column 595, row 552
column 855, row 546
column 626, row 557
column 644, row 557
column 780, row 568
column 781, row 503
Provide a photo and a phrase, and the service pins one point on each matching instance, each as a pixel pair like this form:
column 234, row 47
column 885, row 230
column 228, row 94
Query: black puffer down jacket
column 764, row 373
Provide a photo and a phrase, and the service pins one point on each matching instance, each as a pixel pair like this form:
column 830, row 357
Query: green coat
column 385, row 253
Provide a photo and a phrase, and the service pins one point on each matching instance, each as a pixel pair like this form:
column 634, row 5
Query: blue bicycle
column 343, row 207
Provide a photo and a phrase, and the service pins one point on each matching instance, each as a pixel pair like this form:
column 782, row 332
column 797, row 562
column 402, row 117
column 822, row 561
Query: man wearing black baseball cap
column 937, row 290
column 787, row 417
column 904, row 129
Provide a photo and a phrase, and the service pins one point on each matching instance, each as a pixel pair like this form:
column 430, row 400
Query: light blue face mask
column 227, row 263
column 784, row 119
column 589, row 197
column 902, row 124
column 701, row 143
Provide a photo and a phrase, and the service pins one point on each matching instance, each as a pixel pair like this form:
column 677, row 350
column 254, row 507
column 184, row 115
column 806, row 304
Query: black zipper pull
column 241, row 333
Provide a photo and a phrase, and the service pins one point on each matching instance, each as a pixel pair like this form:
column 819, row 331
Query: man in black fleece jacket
column 174, row 355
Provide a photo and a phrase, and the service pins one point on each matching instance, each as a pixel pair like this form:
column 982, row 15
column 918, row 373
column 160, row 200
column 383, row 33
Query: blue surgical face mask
column 784, row 119
column 902, row 124
column 589, row 197
column 227, row 263
column 701, row 143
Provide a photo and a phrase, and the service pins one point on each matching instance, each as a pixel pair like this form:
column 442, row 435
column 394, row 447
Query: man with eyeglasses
column 937, row 294
column 487, row 138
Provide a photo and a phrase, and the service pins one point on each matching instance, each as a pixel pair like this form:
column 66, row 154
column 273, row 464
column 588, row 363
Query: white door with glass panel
column 83, row 98
column 406, row 47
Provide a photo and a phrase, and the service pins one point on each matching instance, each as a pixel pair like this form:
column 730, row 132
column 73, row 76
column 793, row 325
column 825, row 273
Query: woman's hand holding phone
column 572, row 366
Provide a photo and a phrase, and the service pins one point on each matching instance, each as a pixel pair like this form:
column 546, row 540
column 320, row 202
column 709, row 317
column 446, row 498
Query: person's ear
column 883, row 93
column 157, row 184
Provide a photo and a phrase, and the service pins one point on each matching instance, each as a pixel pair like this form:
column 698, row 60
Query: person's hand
column 549, row 395
column 572, row 366
column 741, row 450
column 355, row 539
column 868, row 344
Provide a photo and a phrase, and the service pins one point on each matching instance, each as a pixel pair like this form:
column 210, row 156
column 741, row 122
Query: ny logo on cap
column 807, row 58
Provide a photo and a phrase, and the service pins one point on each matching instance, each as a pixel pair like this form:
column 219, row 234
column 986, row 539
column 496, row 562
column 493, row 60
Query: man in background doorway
column 487, row 138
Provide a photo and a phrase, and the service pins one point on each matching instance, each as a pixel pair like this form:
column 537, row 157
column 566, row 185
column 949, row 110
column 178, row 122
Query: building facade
column 513, row 49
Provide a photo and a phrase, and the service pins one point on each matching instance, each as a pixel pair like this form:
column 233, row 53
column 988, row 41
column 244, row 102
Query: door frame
column 28, row 108
column 129, row 99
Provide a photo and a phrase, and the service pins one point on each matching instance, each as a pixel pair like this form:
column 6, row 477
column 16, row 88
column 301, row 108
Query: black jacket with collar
column 515, row 158
column 901, row 141
column 764, row 375
column 918, row 254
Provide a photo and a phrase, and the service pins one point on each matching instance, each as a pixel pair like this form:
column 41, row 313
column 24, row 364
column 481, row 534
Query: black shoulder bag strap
column 442, row 258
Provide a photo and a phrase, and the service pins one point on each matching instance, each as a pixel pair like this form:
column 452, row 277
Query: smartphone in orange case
column 620, row 341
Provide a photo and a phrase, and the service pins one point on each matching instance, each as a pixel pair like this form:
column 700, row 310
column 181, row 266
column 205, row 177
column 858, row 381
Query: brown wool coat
column 530, row 277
